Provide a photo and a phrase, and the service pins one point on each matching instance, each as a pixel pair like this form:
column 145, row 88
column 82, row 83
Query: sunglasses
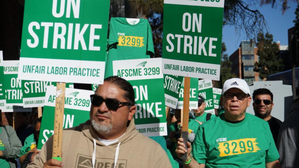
column 240, row 96
column 265, row 101
column 112, row 104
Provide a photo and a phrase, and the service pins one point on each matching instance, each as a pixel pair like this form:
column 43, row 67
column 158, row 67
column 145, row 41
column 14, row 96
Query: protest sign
column 216, row 95
column 76, row 111
column 146, row 77
column 205, row 89
column 12, row 87
column 193, row 95
column 172, row 86
column 2, row 92
column 64, row 41
column 34, row 92
column 192, row 33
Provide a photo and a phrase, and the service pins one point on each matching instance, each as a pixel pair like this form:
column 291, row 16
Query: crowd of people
column 232, row 138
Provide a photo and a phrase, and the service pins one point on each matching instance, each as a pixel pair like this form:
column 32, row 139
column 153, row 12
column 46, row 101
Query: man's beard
column 102, row 129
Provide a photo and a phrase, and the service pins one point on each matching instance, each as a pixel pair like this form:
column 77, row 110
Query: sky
column 278, row 25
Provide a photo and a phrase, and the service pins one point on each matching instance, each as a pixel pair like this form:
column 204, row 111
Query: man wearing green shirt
column 201, row 117
column 235, row 138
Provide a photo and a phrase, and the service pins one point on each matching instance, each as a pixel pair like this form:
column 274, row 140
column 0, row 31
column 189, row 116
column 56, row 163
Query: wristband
column 189, row 161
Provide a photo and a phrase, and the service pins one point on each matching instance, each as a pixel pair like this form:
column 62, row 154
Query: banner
column 205, row 89
column 76, row 111
column 172, row 86
column 64, row 41
column 146, row 77
column 192, row 33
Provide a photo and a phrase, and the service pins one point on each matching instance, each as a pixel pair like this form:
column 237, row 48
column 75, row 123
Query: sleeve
column 199, row 149
column 272, row 153
column 288, row 144
column 150, row 43
column 44, row 155
column 13, row 148
column 161, row 159
column 24, row 149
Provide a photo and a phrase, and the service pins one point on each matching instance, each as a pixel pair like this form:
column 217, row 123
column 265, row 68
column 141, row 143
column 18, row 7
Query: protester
column 200, row 117
column 23, row 126
column 235, row 138
column 109, row 138
column 288, row 138
column 29, row 150
column 262, row 106
column 10, row 146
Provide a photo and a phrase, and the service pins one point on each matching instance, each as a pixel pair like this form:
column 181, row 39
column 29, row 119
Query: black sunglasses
column 240, row 96
column 259, row 101
column 112, row 104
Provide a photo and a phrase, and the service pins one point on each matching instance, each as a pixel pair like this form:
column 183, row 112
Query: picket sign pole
column 58, row 123
column 13, row 120
column 186, row 113
column 39, row 112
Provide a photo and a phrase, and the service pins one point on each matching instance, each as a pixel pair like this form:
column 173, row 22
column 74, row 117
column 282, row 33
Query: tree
column 269, row 62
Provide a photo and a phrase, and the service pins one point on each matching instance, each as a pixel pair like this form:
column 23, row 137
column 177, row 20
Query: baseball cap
column 236, row 83
column 200, row 100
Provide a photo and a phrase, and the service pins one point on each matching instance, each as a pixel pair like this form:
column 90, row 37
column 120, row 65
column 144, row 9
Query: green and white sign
column 192, row 33
column 64, row 41
column 76, row 111
column 205, row 89
column 193, row 95
column 12, row 85
column 146, row 77
column 2, row 92
column 172, row 86
column 34, row 92
column 217, row 95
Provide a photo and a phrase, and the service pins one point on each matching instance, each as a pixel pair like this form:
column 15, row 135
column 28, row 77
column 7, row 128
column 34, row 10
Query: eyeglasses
column 112, row 104
column 240, row 96
column 265, row 101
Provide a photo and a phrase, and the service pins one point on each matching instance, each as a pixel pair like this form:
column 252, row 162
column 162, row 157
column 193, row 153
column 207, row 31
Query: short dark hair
column 261, row 91
column 124, row 85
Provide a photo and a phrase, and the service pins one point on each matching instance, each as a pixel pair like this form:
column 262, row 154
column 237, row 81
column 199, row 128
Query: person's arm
column 274, row 164
column 181, row 150
column 12, row 150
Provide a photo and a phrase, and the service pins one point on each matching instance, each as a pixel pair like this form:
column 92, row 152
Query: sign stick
column 39, row 112
column 58, row 123
column 186, row 113
column 13, row 120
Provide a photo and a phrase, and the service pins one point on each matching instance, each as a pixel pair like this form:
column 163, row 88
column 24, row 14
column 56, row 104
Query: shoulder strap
column 208, row 116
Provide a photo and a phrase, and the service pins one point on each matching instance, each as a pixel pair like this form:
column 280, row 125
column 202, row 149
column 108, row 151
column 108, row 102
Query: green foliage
column 268, row 52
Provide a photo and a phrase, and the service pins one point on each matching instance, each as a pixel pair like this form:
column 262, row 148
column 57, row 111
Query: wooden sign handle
column 58, row 123
column 39, row 112
column 186, row 113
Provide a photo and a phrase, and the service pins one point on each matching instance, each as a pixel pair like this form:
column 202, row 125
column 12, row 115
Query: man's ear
column 132, row 111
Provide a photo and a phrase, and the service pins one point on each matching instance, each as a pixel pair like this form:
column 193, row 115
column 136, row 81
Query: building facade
column 243, row 60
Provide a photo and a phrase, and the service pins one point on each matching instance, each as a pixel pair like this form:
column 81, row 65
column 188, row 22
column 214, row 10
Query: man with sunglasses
column 110, row 137
column 262, row 106
column 235, row 138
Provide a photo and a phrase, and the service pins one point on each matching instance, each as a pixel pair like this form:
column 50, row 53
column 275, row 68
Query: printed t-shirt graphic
column 128, row 39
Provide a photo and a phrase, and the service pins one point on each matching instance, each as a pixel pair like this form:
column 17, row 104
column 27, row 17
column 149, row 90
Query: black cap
column 200, row 100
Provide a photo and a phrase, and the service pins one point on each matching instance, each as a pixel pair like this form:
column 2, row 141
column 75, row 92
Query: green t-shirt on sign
column 128, row 41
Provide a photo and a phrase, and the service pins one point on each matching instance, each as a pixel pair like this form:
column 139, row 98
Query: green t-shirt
column 28, row 145
column 194, row 125
column 128, row 41
column 248, row 143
